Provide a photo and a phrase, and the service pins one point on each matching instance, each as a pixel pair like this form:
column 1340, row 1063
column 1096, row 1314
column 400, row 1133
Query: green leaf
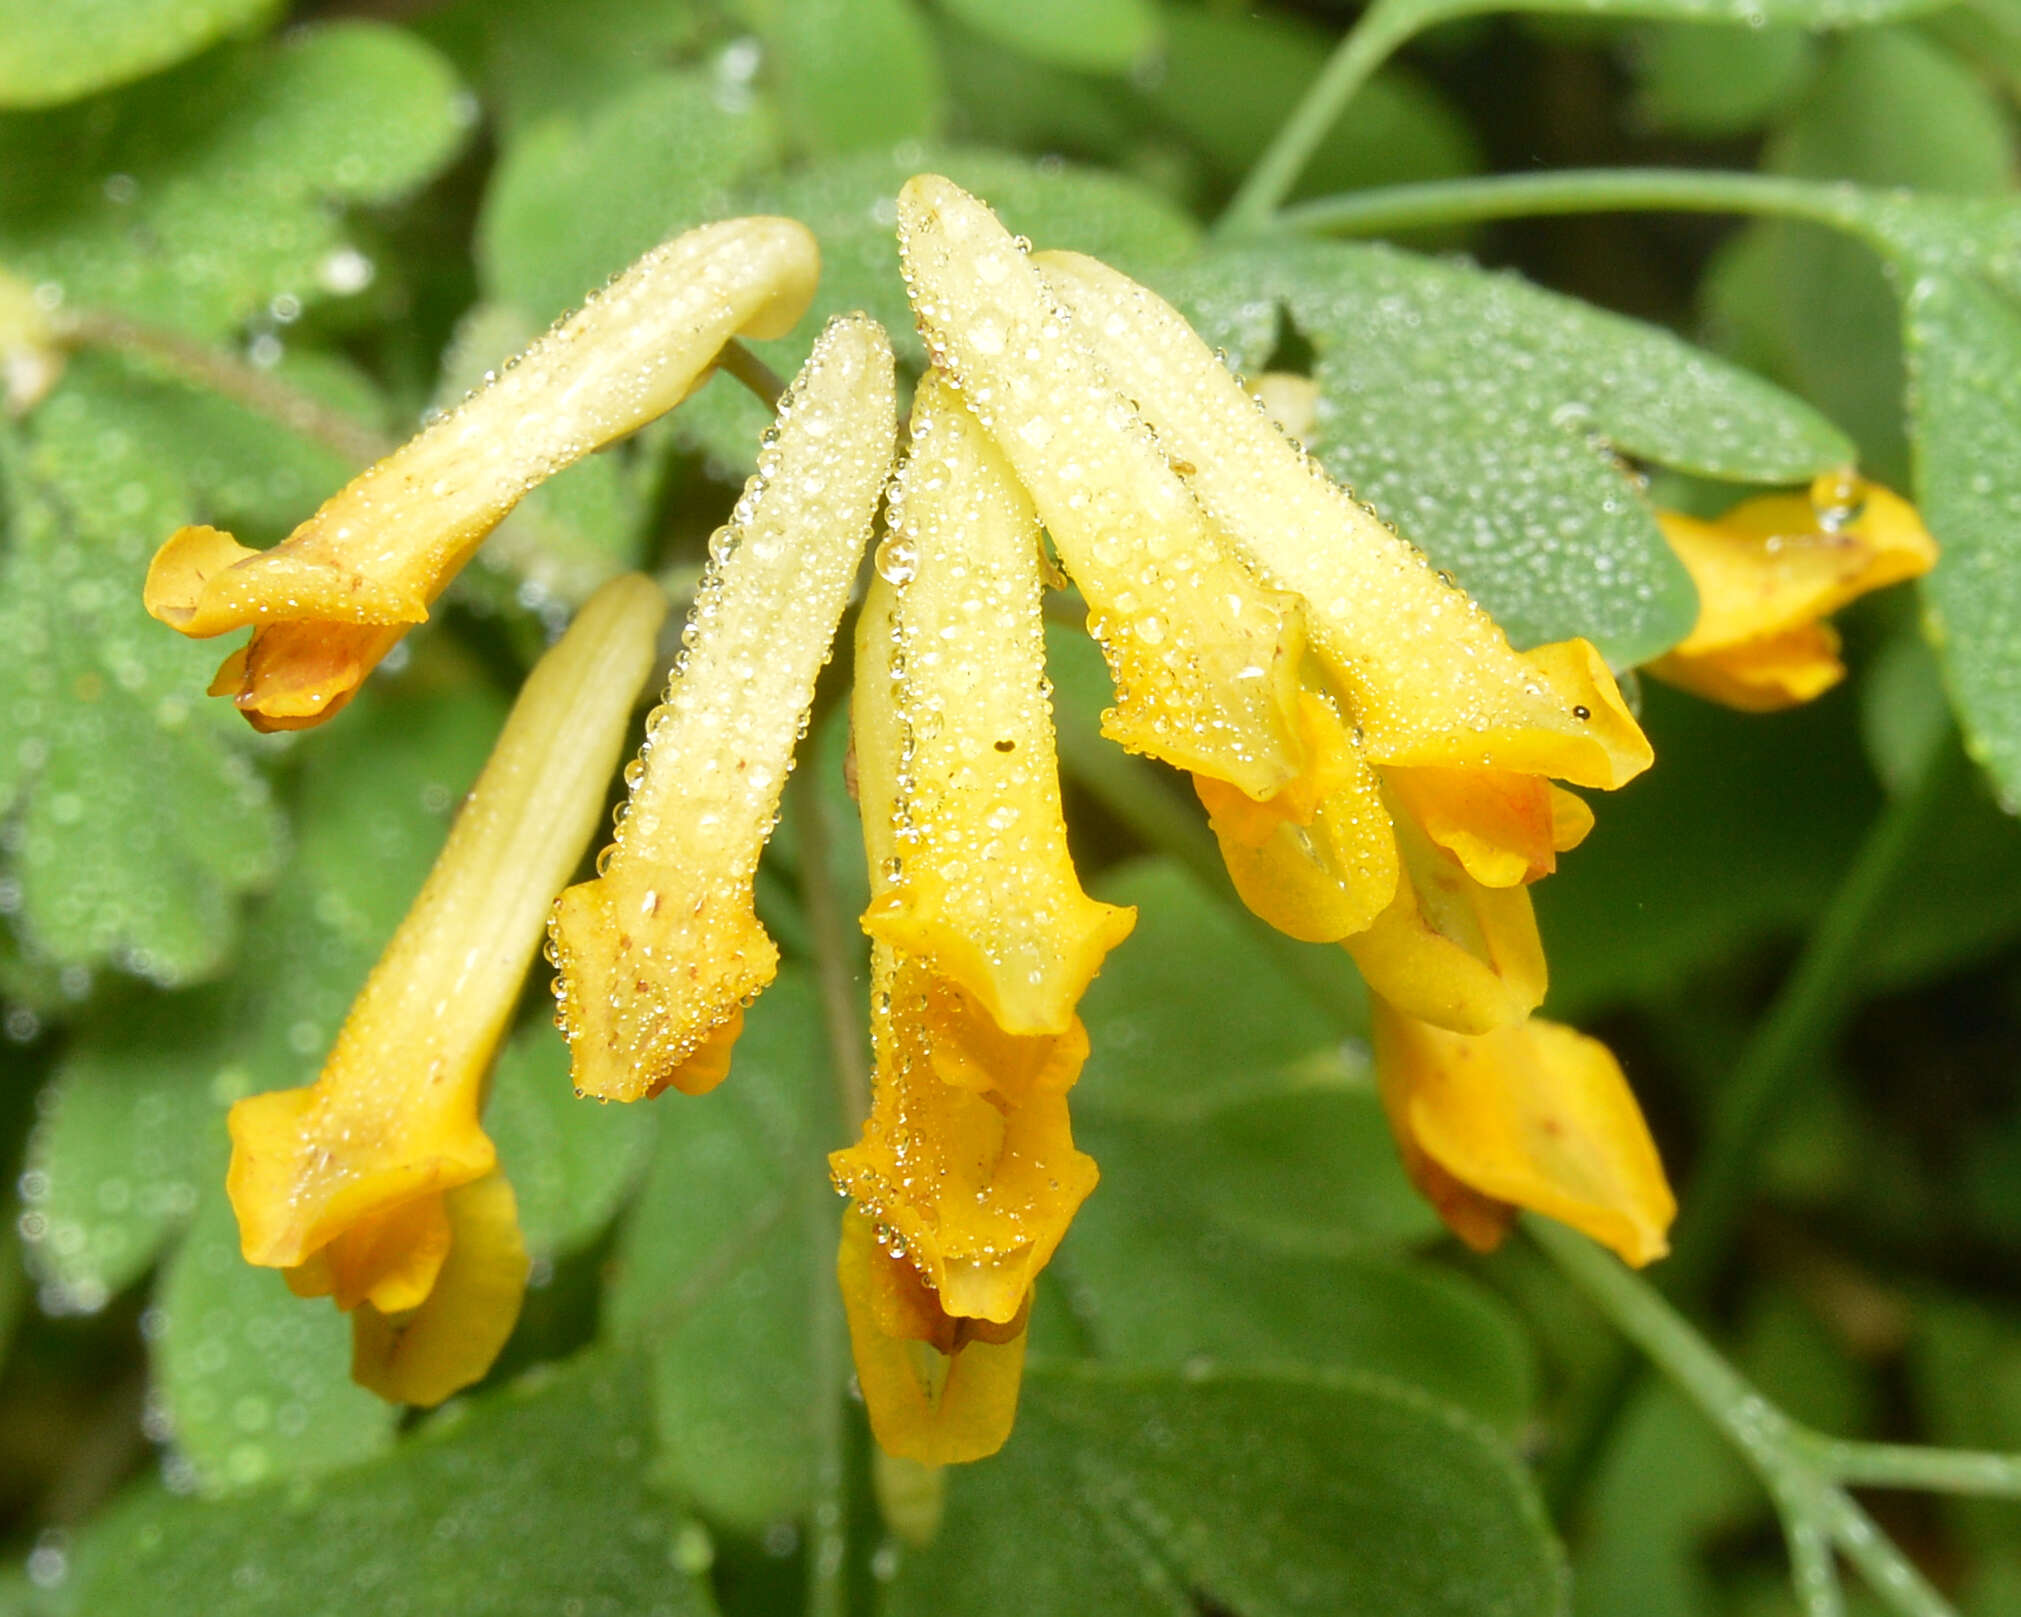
column 254, row 1381
column 529, row 1502
column 853, row 75
column 223, row 176
column 1964, row 354
column 1096, row 36
column 1706, row 81
column 118, row 1159
column 573, row 201
column 1226, row 78
column 851, row 205
column 717, row 1268
column 1482, row 415
column 1261, row 1495
column 571, row 1161
column 58, row 53
column 1187, row 950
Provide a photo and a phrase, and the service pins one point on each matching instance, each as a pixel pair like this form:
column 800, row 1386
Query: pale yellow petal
column 658, row 953
column 452, row 1338
column 1426, row 673
column 385, row 545
column 393, row 1118
column 1535, row 1115
column 1205, row 659
column 979, row 883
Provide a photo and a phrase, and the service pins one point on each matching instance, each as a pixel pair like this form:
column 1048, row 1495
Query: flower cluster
column 1381, row 768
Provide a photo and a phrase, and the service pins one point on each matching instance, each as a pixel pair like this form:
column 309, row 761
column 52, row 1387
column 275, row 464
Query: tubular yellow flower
column 377, row 1183
column 1530, row 1115
column 1206, row 660
column 983, row 942
column 330, row 600
column 659, row 954
column 1770, row 571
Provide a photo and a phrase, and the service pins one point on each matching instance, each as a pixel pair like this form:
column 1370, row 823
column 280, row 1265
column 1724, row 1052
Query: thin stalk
column 223, row 373
column 1898, row 1465
column 1793, row 1038
column 1388, row 209
column 1789, row 1460
column 738, row 361
column 835, row 953
column 1364, row 48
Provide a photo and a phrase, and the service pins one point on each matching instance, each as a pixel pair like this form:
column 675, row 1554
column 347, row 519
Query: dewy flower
column 1372, row 753
column 377, row 1184
column 1532, row 1115
column 660, row 953
column 1770, row 571
column 983, row 942
column 332, row 599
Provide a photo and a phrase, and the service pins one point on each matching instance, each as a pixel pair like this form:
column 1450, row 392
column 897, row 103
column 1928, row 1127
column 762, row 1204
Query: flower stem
column 1799, row 1468
column 1364, row 48
column 1389, row 209
column 738, row 361
column 1793, row 1037
column 223, row 373
column 835, row 953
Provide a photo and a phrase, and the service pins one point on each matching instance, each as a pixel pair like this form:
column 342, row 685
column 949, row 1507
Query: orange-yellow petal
column 1428, row 676
column 1534, row 1115
column 955, row 738
column 938, row 1405
column 977, row 1184
column 1759, row 676
column 392, row 1121
column 1498, row 824
column 1449, row 950
column 449, row 1340
column 658, row 953
column 1206, row 660
column 327, row 602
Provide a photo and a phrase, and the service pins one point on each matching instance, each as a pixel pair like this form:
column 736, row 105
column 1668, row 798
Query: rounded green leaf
column 1096, row 36
column 52, row 53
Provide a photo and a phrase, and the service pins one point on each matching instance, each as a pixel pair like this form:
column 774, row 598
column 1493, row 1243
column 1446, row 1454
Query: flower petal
column 393, row 1119
column 1498, row 824
column 1205, row 659
column 660, row 951
column 1426, row 673
column 978, row 882
column 1534, row 1115
column 1449, row 950
column 386, row 544
column 978, row 1182
column 933, row 1404
column 451, row 1339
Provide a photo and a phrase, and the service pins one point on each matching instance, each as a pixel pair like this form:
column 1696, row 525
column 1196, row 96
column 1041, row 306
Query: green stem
column 219, row 372
column 1364, row 48
column 1795, row 1035
column 1791, row 1462
column 1394, row 208
column 835, row 954
column 1897, row 1465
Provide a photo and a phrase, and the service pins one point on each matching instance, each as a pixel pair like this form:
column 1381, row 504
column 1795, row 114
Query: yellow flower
column 1770, row 571
column 983, row 943
column 1530, row 1115
column 1371, row 751
column 377, row 1184
column 660, row 953
column 332, row 599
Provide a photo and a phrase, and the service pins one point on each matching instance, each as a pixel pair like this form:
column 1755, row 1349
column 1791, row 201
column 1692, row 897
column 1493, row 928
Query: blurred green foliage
column 1263, row 1383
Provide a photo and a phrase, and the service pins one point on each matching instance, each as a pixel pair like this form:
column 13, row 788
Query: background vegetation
column 268, row 240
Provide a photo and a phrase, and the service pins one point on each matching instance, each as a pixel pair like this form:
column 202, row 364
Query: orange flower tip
column 649, row 999
column 1613, row 748
column 180, row 574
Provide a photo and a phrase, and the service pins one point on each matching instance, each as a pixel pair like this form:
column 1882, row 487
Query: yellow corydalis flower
column 1431, row 807
column 377, row 1184
column 1205, row 658
column 659, row 954
column 983, row 942
column 1531, row 1115
column 327, row 603
column 1770, row 571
